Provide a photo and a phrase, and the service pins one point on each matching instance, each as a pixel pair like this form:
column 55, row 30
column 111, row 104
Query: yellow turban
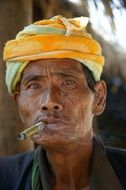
column 57, row 37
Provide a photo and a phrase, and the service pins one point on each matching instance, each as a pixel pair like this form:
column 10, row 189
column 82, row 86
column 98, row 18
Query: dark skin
column 56, row 91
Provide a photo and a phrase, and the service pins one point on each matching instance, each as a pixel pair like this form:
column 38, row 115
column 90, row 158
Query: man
column 53, row 72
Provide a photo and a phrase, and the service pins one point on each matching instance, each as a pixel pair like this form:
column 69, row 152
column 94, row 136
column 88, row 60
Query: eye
column 68, row 82
column 33, row 86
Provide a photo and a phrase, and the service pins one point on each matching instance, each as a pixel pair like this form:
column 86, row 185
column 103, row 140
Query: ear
column 100, row 98
column 16, row 95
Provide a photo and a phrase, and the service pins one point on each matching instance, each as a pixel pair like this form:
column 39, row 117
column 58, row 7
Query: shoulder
column 12, row 168
column 116, row 154
column 18, row 160
column 117, row 158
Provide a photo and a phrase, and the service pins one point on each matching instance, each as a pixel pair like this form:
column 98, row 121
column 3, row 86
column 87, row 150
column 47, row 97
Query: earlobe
column 100, row 98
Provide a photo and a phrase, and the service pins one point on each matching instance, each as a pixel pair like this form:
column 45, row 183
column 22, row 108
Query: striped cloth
column 36, row 179
column 57, row 37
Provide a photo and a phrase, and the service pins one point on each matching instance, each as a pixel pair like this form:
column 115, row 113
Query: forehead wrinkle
column 49, row 70
column 62, row 72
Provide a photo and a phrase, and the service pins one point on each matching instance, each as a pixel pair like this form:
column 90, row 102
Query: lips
column 49, row 121
column 53, row 121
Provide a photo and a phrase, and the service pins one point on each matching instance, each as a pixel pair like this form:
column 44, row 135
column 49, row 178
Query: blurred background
column 107, row 25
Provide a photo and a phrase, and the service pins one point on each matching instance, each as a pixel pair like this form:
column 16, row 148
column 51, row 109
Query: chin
column 53, row 141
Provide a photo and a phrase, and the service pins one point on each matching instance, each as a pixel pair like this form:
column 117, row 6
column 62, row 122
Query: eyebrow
column 31, row 77
column 58, row 73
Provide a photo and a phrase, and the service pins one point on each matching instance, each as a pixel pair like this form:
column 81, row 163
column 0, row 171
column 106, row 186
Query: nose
column 52, row 106
column 51, row 100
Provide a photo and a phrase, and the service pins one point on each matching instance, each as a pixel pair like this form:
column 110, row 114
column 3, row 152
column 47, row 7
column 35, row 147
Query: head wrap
column 57, row 37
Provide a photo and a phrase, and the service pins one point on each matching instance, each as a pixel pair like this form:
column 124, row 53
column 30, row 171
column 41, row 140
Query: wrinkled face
column 56, row 91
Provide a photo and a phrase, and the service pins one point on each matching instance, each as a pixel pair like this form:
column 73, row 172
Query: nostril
column 44, row 108
column 52, row 107
column 56, row 107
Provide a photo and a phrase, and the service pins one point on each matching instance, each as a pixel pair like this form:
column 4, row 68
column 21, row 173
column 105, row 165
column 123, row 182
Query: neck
column 71, row 165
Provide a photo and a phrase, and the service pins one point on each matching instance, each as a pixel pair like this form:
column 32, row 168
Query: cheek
column 80, row 107
column 78, row 100
column 27, row 110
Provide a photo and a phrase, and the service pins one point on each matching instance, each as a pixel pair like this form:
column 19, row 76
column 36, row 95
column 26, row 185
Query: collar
column 102, row 177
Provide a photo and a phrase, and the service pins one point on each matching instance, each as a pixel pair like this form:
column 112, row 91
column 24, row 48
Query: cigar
column 31, row 131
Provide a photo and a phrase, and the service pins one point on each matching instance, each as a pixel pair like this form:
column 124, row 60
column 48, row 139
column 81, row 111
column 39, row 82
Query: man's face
column 56, row 91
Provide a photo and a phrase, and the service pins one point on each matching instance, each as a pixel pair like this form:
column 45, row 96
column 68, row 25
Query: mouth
column 53, row 127
column 52, row 123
